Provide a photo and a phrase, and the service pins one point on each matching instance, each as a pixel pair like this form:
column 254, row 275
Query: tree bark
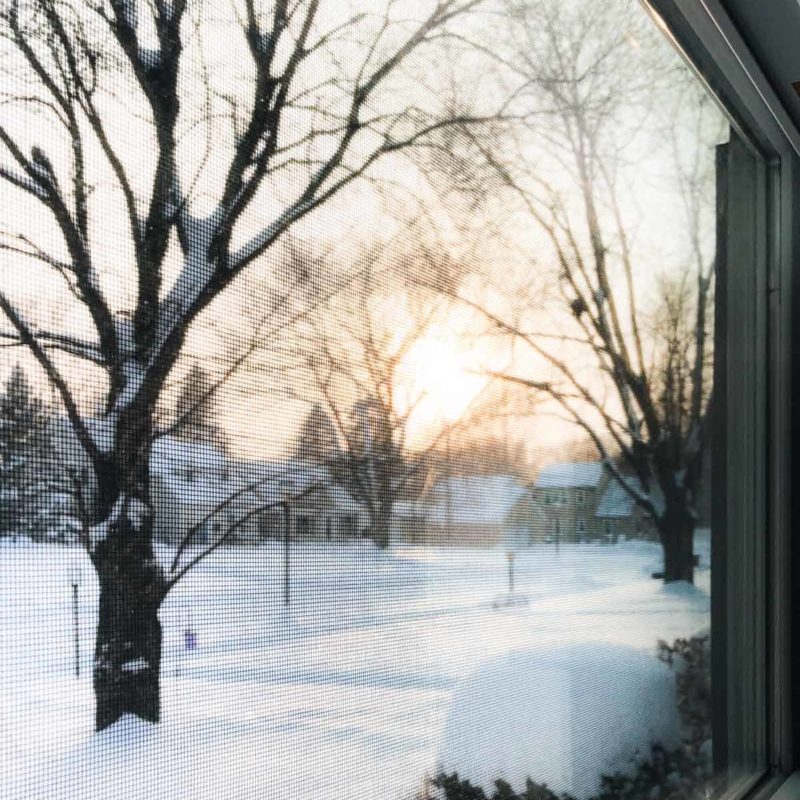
column 381, row 527
column 676, row 530
column 127, row 657
column 128, row 645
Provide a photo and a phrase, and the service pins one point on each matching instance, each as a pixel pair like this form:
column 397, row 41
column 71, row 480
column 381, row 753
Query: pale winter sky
column 497, row 240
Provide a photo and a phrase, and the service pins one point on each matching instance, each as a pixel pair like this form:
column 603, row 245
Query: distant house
column 409, row 522
column 619, row 515
column 318, row 509
column 568, row 494
column 481, row 510
column 189, row 480
column 196, row 485
column 582, row 502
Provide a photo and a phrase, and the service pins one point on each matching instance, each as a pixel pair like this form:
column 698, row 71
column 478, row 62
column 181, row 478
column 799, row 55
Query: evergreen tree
column 27, row 469
column 195, row 409
column 317, row 442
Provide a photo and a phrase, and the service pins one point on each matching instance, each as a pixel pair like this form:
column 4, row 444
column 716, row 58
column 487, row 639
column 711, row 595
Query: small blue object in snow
column 190, row 639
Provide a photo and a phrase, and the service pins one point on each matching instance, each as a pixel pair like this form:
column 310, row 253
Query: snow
column 263, row 42
column 24, row 182
column 261, row 240
column 136, row 512
column 191, row 470
column 474, row 499
column 410, row 508
column 617, row 502
column 137, row 665
column 129, row 12
column 134, row 374
column 98, row 533
column 103, row 431
column 197, row 270
column 553, row 706
column 570, row 475
column 150, row 57
column 197, row 477
column 43, row 175
column 355, row 689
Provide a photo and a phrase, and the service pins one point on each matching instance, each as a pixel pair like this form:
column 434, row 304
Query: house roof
column 570, row 475
column 409, row 508
column 193, row 472
column 616, row 502
column 474, row 498
column 342, row 501
column 199, row 474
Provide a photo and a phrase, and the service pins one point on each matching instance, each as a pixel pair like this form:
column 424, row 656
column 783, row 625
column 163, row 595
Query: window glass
column 355, row 384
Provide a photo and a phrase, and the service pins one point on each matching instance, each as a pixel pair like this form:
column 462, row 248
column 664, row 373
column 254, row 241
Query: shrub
column 456, row 789
column 682, row 773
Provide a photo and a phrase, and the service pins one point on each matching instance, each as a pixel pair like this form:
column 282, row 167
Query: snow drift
column 563, row 716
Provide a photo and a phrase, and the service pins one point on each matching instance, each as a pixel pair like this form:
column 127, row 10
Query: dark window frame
column 757, row 550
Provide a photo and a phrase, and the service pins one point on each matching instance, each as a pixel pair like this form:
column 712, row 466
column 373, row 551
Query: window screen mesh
column 356, row 361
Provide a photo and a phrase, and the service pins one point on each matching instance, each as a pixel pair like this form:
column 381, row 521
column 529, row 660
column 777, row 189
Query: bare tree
column 634, row 377
column 483, row 454
column 307, row 118
column 358, row 355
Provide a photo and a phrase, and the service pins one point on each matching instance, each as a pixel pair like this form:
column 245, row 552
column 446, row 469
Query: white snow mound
column 562, row 716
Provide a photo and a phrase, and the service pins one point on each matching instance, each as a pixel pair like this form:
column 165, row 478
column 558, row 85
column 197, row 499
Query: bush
column 681, row 773
column 690, row 660
column 456, row 789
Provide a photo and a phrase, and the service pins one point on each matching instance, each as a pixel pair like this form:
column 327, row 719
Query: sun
column 442, row 377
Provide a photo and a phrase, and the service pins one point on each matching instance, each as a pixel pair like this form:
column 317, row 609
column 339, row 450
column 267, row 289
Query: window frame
column 710, row 42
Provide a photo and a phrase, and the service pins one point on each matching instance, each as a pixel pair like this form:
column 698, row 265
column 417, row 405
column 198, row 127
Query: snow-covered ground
column 345, row 694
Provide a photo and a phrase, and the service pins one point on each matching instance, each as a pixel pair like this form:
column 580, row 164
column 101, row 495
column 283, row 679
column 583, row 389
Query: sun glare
column 443, row 378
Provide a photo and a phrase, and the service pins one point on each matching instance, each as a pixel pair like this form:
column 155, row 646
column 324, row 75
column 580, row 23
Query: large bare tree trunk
column 128, row 645
column 676, row 529
column 132, row 586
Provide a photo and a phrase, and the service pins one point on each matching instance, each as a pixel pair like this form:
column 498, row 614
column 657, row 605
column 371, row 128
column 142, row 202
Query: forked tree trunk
column 676, row 530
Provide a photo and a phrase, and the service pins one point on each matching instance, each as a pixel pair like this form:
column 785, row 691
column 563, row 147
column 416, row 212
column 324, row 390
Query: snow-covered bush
column 671, row 772
column 690, row 659
column 562, row 715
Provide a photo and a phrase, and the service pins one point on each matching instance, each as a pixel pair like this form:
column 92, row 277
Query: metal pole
column 449, row 484
column 77, row 630
column 511, row 572
column 286, row 543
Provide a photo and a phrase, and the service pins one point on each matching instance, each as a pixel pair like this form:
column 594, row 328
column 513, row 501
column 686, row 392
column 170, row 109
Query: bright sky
column 442, row 370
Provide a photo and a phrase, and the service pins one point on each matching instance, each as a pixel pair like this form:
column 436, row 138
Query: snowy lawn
column 345, row 694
